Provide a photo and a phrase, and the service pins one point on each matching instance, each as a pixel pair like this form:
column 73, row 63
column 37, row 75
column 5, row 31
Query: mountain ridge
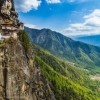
column 36, row 74
column 93, row 39
column 66, row 48
column 63, row 81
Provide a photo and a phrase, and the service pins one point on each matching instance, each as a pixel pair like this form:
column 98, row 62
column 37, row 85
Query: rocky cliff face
column 20, row 79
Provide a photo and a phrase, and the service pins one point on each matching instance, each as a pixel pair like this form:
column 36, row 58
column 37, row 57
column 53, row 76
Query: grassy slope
column 67, row 82
column 65, row 77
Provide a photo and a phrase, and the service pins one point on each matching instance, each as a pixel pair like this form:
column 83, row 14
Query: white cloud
column 27, row 5
column 30, row 25
column 96, row 12
column 53, row 1
column 90, row 26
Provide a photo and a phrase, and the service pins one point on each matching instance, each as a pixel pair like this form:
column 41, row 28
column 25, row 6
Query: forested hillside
column 66, row 81
column 81, row 54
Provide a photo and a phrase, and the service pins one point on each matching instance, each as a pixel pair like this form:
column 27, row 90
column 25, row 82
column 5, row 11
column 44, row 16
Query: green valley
column 66, row 81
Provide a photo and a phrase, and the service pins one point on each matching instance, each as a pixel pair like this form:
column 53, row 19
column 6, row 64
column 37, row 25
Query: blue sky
column 70, row 17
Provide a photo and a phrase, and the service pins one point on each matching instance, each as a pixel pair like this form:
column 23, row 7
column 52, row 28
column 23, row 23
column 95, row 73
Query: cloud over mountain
column 91, row 25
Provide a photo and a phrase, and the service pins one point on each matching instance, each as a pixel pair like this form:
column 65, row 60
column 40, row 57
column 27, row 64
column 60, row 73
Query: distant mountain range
column 82, row 54
column 94, row 39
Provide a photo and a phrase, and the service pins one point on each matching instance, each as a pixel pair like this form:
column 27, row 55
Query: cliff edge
column 20, row 79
